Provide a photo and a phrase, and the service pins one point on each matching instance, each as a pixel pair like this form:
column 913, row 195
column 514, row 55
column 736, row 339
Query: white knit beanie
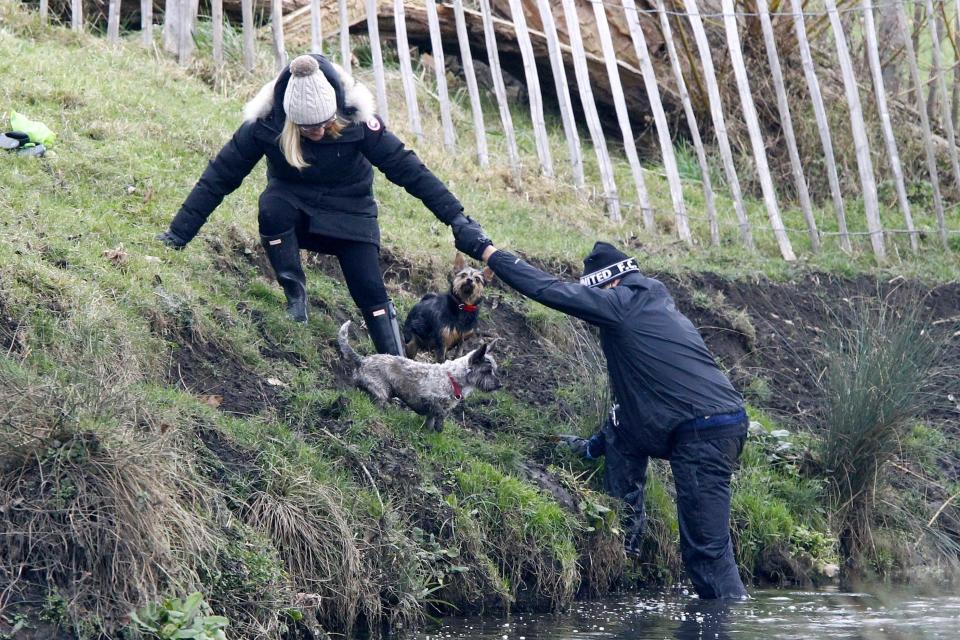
column 309, row 98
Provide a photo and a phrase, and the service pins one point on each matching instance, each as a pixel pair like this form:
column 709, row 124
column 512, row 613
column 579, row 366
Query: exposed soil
column 233, row 463
column 220, row 379
column 780, row 342
column 792, row 320
column 768, row 335
column 9, row 330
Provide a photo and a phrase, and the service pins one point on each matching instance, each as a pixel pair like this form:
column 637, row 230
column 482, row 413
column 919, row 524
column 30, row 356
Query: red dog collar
column 469, row 308
column 457, row 391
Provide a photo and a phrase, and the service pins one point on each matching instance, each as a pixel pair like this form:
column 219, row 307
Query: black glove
column 172, row 240
column 469, row 237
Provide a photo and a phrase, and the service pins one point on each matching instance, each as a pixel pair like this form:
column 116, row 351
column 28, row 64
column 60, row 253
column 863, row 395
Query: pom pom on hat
column 309, row 97
column 304, row 66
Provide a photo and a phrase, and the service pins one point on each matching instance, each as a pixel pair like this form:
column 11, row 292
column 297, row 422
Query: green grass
column 776, row 506
column 169, row 144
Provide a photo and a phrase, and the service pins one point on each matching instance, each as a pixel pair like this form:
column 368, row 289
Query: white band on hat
column 607, row 274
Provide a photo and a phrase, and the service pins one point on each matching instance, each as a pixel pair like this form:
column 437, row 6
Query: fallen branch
column 942, row 507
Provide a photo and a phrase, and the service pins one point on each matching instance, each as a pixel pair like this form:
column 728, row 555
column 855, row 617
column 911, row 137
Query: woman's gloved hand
column 171, row 240
column 469, row 237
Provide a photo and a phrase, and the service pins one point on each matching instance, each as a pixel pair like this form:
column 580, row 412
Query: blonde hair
column 290, row 141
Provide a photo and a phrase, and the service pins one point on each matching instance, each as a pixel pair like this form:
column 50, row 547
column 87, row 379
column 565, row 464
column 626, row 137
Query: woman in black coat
column 321, row 137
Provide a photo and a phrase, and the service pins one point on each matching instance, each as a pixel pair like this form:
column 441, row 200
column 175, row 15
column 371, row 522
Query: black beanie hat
column 605, row 263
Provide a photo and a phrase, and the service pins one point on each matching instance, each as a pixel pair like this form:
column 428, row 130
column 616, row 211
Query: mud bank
column 298, row 508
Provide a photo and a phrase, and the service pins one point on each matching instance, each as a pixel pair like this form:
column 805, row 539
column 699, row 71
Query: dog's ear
column 479, row 354
column 488, row 275
column 459, row 262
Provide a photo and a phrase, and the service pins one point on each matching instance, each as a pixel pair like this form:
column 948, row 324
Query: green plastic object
column 39, row 133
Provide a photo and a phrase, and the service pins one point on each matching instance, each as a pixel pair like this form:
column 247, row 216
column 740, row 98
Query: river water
column 771, row 615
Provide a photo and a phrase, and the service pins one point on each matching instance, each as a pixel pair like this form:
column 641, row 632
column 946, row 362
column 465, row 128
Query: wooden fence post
column 753, row 129
column 406, row 69
column 864, row 164
column 623, row 116
column 786, row 123
column 691, row 117
column 942, row 92
column 823, row 125
column 873, row 56
column 184, row 35
column 918, row 9
column 590, row 111
column 276, row 20
column 473, row 90
column 216, row 16
column 373, row 30
column 113, row 22
column 500, row 90
column 345, row 53
column 316, row 29
column 563, row 93
column 533, row 88
column 44, row 10
column 931, row 152
column 955, row 97
column 440, row 72
column 660, row 120
column 933, row 83
column 719, row 125
column 76, row 15
column 249, row 51
column 954, row 37
column 146, row 22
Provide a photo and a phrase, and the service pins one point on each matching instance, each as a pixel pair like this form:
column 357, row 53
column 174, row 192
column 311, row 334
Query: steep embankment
column 166, row 429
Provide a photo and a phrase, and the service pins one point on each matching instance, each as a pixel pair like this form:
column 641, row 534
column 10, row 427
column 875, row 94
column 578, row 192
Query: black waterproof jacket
column 336, row 190
column 661, row 371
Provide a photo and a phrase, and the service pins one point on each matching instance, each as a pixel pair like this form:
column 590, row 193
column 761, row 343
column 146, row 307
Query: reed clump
column 880, row 372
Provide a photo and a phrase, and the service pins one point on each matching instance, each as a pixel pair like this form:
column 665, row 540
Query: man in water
column 673, row 401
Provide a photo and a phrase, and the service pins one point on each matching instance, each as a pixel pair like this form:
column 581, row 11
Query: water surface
column 771, row 615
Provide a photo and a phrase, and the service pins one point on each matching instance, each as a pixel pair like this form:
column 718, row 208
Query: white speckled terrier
column 431, row 390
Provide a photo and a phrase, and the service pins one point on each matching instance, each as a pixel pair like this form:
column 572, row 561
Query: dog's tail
column 343, row 340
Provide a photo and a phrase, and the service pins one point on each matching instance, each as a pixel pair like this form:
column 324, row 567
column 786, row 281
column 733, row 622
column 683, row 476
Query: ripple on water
column 770, row 615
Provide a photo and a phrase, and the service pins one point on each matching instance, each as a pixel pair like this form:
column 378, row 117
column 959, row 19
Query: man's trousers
column 702, row 461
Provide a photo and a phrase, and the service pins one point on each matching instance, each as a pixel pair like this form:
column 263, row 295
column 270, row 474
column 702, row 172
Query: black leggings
column 359, row 261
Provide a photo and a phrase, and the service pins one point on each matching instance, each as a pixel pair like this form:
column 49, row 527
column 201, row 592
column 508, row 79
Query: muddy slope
column 793, row 322
column 766, row 334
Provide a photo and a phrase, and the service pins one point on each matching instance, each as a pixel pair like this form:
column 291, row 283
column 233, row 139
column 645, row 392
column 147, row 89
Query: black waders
column 283, row 251
column 384, row 329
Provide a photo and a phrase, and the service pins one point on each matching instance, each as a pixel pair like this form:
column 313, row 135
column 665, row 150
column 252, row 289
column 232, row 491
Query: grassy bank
column 166, row 430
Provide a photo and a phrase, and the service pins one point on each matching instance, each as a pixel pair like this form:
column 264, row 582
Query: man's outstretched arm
column 596, row 306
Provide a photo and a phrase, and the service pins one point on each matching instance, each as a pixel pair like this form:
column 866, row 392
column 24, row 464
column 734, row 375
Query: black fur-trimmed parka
column 336, row 189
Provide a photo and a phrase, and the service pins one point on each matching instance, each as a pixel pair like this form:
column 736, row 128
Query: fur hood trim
column 356, row 97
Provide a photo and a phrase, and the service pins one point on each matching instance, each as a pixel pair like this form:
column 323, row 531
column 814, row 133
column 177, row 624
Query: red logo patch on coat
column 373, row 124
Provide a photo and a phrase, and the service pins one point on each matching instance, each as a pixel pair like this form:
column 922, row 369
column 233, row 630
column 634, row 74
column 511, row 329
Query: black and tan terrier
column 440, row 322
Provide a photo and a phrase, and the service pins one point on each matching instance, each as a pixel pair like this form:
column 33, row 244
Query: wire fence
column 705, row 78
column 612, row 4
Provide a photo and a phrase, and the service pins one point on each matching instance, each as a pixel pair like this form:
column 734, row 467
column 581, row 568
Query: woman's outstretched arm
column 222, row 176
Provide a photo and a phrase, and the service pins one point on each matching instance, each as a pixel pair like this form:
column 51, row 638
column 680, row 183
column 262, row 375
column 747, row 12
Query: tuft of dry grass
column 97, row 508
column 310, row 527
